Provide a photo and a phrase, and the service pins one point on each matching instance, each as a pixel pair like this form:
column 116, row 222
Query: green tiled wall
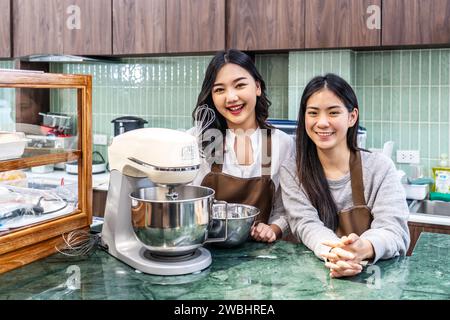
column 7, row 102
column 6, row 64
column 274, row 70
column 161, row 90
column 303, row 66
column 403, row 95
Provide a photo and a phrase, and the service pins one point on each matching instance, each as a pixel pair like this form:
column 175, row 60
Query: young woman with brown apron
column 254, row 184
column 233, row 92
column 344, row 203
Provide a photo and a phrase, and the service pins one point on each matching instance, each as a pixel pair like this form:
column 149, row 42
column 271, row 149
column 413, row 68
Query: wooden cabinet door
column 195, row 25
column 139, row 26
column 339, row 24
column 327, row 23
column 78, row 27
column 5, row 28
column 87, row 27
column 37, row 27
column 265, row 24
column 416, row 22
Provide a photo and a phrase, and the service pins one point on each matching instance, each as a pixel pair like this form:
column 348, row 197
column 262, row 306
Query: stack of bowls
column 240, row 220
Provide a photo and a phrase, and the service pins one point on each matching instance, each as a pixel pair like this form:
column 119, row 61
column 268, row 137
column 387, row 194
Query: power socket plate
column 408, row 156
column 100, row 139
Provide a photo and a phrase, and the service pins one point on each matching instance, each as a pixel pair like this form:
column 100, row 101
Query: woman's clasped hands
column 347, row 257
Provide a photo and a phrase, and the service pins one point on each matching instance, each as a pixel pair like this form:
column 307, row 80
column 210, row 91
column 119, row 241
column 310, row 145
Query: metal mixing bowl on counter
column 172, row 221
column 240, row 220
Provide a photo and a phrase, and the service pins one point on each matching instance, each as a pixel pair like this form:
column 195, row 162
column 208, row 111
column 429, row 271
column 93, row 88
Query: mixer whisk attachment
column 204, row 116
column 78, row 243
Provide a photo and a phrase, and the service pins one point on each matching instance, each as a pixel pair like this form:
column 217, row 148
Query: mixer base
column 176, row 265
column 141, row 259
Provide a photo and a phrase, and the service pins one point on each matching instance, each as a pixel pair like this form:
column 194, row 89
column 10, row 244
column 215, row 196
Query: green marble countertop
column 254, row 271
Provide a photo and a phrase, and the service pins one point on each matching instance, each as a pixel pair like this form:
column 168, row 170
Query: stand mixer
column 154, row 221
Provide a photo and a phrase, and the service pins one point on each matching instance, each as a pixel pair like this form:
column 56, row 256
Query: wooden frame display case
column 27, row 244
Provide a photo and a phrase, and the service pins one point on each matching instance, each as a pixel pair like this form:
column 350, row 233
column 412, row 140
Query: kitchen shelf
column 25, row 244
column 26, row 229
column 34, row 157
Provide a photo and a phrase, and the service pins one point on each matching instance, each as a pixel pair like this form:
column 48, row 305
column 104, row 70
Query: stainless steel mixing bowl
column 172, row 221
column 240, row 220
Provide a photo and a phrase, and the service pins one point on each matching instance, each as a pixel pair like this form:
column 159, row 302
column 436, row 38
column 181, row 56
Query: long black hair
column 309, row 168
column 205, row 96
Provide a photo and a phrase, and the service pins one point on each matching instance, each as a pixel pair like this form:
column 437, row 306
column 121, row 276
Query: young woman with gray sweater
column 344, row 203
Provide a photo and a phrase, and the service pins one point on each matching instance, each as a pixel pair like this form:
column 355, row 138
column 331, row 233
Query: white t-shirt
column 283, row 147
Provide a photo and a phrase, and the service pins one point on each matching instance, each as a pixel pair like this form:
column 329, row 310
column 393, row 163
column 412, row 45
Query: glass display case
column 45, row 123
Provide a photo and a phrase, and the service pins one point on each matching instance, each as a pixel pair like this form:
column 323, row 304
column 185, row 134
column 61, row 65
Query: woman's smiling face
column 234, row 94
column 327, row 120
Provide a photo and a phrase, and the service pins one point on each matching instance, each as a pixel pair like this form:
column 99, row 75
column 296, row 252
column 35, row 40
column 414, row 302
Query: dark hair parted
column 309, row 169
column 205, row 96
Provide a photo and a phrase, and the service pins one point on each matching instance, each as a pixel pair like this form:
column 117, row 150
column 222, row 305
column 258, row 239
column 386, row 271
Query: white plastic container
column 12, row 145
column 416, row 191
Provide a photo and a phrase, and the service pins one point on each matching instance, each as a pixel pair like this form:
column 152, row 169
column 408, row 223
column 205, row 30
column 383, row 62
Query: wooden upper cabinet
column 265, row 24
column 87, row 27
column 341, row 23
column 79, row 27
column 5, row 28
column 37, row 27
column 139, row 26
column 416, row 22
column 195, row 25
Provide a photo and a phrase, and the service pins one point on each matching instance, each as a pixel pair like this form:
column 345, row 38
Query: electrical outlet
column 100, row 139
column 408, row 156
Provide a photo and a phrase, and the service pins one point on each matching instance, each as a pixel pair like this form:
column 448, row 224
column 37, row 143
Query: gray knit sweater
column 384, row 194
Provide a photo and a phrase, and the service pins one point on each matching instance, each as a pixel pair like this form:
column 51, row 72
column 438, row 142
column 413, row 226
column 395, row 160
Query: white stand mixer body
column 121, row 241
column 139, row 159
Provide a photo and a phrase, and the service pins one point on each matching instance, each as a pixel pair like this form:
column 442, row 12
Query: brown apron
column 358, row 218
column 256, row 191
